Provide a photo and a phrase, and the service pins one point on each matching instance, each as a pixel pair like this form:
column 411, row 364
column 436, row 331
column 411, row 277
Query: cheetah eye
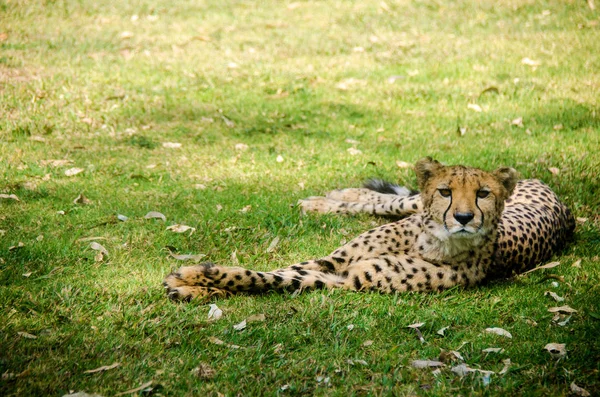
column 482, row 193
column 445, row 192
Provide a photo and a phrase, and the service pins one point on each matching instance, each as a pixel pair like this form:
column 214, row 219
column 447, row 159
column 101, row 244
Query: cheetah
column 465, row 226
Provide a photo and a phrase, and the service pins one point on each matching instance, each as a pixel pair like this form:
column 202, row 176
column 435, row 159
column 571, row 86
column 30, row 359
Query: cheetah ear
column 425, row 169
column 508, row 177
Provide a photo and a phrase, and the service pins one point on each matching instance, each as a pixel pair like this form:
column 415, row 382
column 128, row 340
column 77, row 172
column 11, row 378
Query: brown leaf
column 56, row 163
column 177, row 228
column 74, row 171
column 81, row 199
column 556, row 350
column 579, row 391
column 426, row 364
column 26, row 335
column 98, row 247
column 554, row 170
column 102, row 368
column 562, row 309
column 546, row 266
column 204, row 371
column 154, row 214
column 9, row 196
column 499, row 331
column 140, row 388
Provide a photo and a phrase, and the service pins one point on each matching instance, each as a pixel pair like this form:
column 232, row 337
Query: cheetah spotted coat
column 466, row 225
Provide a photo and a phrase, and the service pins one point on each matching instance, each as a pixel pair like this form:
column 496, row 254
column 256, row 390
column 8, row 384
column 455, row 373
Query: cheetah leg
column 393, row 205
column 228, row 280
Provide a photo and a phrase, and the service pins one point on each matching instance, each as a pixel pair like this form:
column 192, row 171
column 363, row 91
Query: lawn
column 220, row 115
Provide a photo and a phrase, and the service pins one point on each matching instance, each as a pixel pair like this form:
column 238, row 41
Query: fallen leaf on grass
column 187, row 257
column 204, row 371
column 427, row 364
column 403, row 164
column 214, row 313
column 554, row 296
column 353, row 151
column 556, row 350
column 82, row 394
column 493, row 350
column 102, row 368
column 464, row 369
column 562, row 309
column 81, row 199
column 98, row 247
column 579, row 391
column 255, row 318
column 177, row 228
column 219, row 342
column 26, row 335
column 241, row 147
column 475, row 107
column 154, row 214
column 240, row 326
column 554, row 170
column 442, row 330
column 9, row 196
column 228, row 123
column 507, row 363
column 122, row 218
column 56, row 163
column 530, row 62
column 367, row 343
column 273, row 244
column 546, row 266
column 172, row 145
column 140, row 388
column 577, row 263
column 499, row 331
column 518, row 122
column 73, row 171
column 361, row 362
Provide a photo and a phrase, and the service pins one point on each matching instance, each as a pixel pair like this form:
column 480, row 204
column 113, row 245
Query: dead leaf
column 558, row 127
column 228, row 123
column 556, row 350
column 415, row 325
column 592, row 7
column 126, row 35
column 499, row 331
column 56, row 163
column 241, row 147
column 403, row 164
column 98, row 247
column 577, row 263
column 246, row 209
column 204, row 371
column 219, row 342
column 353, row 151
column 73, row 171
column 361, row 362
column 154, row 214
column 81, row 199
column 464, row 369
column 578, row 391
column 427, row 364
column 475, row 107
column 82, row 394
column 546, row 266
column 240, row 326
column 493, row 350
column 518, row 122
column 214, row 313
column 172, row 145
column 507, row 363
column 350, row 327
column 562, row 309
column 581, row 220
column 554, row 296
column 530, row 62
column 26, row 335
column 187, row 257
column 9, row 196
column 442, row 330
column 177, row 228
column 102, row 368
column 140, row 388
column 273, row 244
column 122, row 218
column 279, row 159
column 554, row 170
column 255, row 318
column 367, row 343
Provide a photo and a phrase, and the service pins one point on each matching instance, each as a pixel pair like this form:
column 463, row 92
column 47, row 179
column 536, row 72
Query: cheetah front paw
column 322, row 205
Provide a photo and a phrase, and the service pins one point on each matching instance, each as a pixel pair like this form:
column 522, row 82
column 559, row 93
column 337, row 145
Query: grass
column 105, row 85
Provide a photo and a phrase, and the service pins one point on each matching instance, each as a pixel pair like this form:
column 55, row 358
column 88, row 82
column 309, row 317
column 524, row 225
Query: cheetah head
column 462, row 202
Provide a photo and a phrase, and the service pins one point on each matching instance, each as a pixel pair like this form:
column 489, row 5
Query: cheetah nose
column 464, row 217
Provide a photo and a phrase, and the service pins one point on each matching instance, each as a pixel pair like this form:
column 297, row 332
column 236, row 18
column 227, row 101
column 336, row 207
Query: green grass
column 290, row 79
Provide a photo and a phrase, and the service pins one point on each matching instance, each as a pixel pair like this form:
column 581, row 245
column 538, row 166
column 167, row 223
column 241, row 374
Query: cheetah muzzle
column 465, row 226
